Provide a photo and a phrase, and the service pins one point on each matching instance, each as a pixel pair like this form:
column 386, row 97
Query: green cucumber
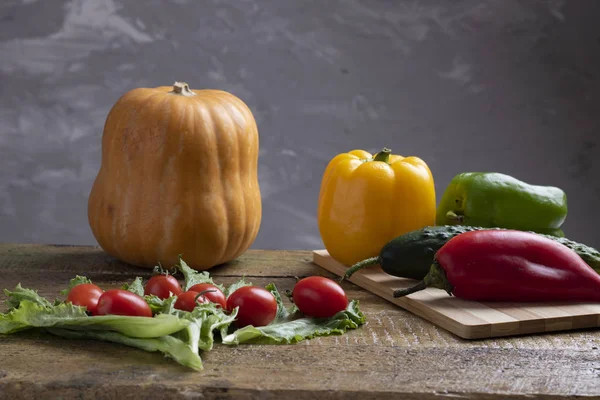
column 410, row 255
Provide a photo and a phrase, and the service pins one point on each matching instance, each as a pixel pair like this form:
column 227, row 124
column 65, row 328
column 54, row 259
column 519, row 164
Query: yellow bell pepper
column 367, row 200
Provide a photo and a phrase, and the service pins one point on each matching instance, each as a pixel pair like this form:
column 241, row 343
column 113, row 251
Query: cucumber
column 410, row 255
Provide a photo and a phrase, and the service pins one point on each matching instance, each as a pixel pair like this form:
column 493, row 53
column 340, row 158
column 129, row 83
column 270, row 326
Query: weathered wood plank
column 396, row 354
column 61, row 260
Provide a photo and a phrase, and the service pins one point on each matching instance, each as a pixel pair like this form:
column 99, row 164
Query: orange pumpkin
column 178, row 176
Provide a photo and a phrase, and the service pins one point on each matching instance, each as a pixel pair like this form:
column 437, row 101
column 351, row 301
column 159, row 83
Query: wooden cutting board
column 468, row 319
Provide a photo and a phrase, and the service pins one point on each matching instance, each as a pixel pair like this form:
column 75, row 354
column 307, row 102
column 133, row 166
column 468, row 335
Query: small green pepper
column 491, row 199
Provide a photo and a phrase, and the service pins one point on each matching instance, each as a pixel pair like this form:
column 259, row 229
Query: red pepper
column 509, row 265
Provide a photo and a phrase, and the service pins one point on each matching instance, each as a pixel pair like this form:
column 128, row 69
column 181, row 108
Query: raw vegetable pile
column 170, row 183
column 152, row 317
column 494, row 238
column 372, row 209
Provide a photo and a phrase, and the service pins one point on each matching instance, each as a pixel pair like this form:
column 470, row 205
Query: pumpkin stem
column 183, row 89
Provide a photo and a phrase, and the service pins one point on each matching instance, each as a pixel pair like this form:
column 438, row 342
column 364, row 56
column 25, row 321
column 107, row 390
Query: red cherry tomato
column 86, row 295
column 187, row 301
column 163, row 286
column 257, row 306
column 123, row 302
column 216, row 296
column 317, row 296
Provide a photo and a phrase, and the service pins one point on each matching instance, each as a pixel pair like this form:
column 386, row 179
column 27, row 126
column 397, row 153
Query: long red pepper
column 509, row 265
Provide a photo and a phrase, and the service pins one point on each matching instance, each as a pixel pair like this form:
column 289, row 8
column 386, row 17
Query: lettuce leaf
column 78, row 280
column 160, row 306
column 290, row 326
column 137, row 286
column 33, row 315
column 235, row 286
column 30, row 314
column 185, row 352
column 211, row 318
column 137, row 327
column 20, row 294
column 192, row 277
column 283, row 314
column 178, row 334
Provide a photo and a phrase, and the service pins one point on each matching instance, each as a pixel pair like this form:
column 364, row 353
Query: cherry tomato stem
column 188, row 300
column 201, row 294
column 215, row 295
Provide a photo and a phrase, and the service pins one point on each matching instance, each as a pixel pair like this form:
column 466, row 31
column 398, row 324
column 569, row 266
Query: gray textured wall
column 495, row 85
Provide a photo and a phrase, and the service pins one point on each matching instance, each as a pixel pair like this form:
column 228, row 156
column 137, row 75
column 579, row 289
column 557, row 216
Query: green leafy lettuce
column 179, row 335
column 184, row 351
column 137, row 286
column 33, row 311
column 290, row 326
column 78, row 280
column 192, row 277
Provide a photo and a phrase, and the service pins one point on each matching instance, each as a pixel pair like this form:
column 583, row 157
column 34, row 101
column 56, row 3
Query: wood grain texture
column 469, row 319
column 396, row 354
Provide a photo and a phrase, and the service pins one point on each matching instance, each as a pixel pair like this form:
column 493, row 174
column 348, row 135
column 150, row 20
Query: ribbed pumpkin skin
column 178, row 176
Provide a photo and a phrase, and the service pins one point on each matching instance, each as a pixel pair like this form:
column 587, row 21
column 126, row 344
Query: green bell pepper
column 490, row 199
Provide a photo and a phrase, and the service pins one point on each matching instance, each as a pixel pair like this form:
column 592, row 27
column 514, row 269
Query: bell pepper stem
column 435, row 278
column 358, row 266
column 383, row 155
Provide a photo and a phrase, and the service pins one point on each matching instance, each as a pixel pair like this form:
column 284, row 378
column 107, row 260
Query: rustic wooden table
column 395, row 354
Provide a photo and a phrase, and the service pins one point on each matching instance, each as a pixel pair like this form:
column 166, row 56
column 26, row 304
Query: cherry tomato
column 187, row 301
column 123, row 302
column 86, row 295
column 216, row 296
column 163, row 286
column 317, row 296
column 257, row 306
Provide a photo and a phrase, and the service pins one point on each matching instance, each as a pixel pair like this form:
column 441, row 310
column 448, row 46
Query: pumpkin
column 178, row 177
